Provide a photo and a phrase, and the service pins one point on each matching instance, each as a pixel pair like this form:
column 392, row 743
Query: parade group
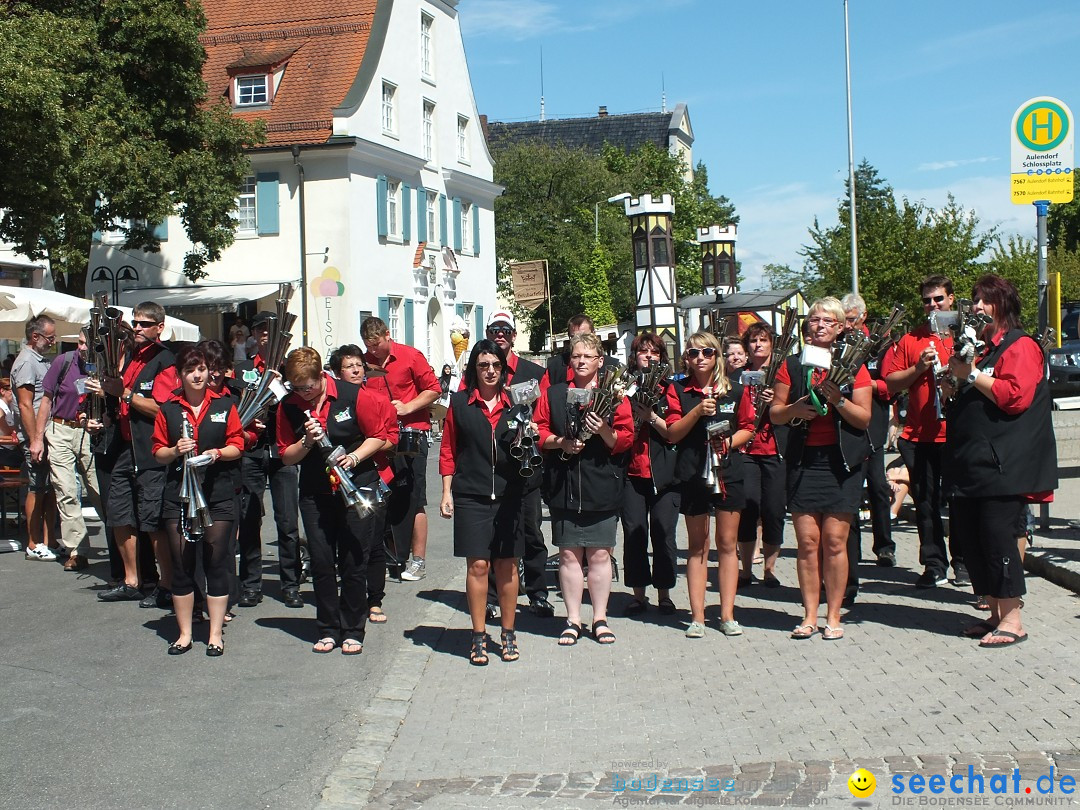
column 175, row 450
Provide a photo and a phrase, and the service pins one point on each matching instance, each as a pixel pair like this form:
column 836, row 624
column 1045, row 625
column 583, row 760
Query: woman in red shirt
column 217, row 435
column 824, row 456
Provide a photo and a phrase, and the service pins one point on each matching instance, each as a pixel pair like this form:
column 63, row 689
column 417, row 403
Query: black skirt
column 819, row 484
column 488, row 529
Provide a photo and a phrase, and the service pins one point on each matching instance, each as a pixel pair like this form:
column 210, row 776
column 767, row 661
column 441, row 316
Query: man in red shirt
column 922, row 443
column 413, row 388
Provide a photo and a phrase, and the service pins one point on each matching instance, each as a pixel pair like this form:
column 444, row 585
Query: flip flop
column 1016, row 639
column 803, row 632
column 978, row 630
column 351, row 646
column 636, row 607
column 323, row 646
column 832, row 633
column 376, row 616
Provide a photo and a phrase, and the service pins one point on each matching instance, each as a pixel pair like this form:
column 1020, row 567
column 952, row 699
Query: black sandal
column 509, row 646
column 666, row 607
column 569, row 637
column 602, row 633
column 478, row 654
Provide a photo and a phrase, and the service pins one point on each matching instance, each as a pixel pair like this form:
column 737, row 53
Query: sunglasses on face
column 505, row 331
column 706, row 352
column 305, row 389
column 144, row 324
column 933, row 299
column 489, row 366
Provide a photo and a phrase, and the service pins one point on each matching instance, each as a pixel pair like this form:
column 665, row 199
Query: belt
column 71, row 423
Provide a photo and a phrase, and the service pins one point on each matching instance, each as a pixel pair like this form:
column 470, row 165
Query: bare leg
column 697, row 564
column 808, row 536
column 35, row 515
column 772, row 554
column 164, row 557
column 419, row 535
column 476, row 585
column 599, row 581
column 834, row 536
column 727, row 529
column 1006, row 614
column 126, row 544
column 571, row 581
column 746, row 557
column 506, row 583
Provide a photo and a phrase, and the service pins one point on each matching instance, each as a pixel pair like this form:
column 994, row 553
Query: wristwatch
column 974, row 375
column 127, row 397
column 841, row 403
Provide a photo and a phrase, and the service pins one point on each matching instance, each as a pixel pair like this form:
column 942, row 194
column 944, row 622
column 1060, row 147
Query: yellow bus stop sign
column 1042, row 152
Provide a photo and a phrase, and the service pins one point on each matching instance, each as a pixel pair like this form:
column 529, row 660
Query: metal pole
column 303, row 250
column 1041, row 208
column 851, row 159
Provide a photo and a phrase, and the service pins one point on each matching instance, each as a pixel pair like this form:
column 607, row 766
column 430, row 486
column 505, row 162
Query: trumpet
column 647, row 389
column 355, row 497
column 106, row 346
column 257, row 397
column 194, row 512
column 716, row 433
column 523, row 447
column 781, row 349
column 601, row 401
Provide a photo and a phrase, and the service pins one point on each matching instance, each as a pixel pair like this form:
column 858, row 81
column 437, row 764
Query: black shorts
column 410, row 479
column 226, row 510
column 820, row 485
column 135, row 499
column 698, row 499
column 488, row 529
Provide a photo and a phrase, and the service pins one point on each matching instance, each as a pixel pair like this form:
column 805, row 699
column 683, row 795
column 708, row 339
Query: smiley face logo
column 862, row 784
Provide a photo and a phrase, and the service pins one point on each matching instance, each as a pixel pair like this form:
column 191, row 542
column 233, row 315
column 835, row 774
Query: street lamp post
column 851, row 160
column 124, row 273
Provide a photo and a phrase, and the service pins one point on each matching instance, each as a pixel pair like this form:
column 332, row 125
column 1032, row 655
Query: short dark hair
column 649, row 339
column 755, row 329
column 1002, row 295
column 484, row 346
column 150, row 309
column 37, row 324
column 373, row 328
column 935, row 281
column 191, row 356
column 340, row 353
column 579, row 320
column 217, row 359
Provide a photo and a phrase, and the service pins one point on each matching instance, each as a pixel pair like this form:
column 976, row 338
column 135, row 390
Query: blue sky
column 934, row 86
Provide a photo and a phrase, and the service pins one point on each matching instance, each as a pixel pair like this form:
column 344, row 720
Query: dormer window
column 251, row 90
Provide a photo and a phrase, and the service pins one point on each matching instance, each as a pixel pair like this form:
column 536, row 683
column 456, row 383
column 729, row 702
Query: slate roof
column 763, row 299
column 628, row 132
column 327, row 40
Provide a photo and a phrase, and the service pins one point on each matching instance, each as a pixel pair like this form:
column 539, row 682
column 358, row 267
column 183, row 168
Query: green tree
column 104, row 113
column 592, row 279
column 899, row 244
column 1015, row 259
column 1063, row 221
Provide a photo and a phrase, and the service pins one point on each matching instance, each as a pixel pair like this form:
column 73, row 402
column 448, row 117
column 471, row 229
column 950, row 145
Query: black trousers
column 256, row 470
column 533, row 557
column 923, row 460
column 339, row 542
column 647, row 514
column 879, row 494
column 765, row 482
column 987, row 530
column 376, row 570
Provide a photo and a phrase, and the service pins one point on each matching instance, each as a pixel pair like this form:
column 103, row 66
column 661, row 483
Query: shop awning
column 218, row 296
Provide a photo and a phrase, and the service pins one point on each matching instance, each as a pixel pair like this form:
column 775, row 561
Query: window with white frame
column 251, row 90
column 466, row 227
column 427, row 62
column 428, row 133
column 467, row 313
column 463, row 139
column 246, row 218
column 396, row 305
column 389, row 114
column 434, row 237
column 393, row 198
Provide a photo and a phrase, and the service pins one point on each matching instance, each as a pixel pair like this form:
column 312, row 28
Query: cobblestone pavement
column 787, row 721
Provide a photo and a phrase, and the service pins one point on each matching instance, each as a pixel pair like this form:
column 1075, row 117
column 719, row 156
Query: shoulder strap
column 63, row 373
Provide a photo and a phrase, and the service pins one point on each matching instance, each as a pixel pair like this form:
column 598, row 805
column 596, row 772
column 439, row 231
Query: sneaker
column 160, row 598
column 415, row 570
column 39, row 552
column 695, row 630
column 731, row 628
column 960, row 576
column 121, row 593
column 930, row 579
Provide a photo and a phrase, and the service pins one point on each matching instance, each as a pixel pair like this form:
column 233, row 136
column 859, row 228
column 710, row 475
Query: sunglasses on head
column 144, row 324
column 706, row 352
column 933, row 299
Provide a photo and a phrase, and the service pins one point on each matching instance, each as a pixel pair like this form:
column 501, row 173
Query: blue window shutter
column 443, row 236
column 457, row 224
column 380, row 203
column 475, row 230
column 421, row 214
column 266, row 203
column 459, row 309
column 409, row 321
column 479, row 310
column 161, row 231
column 384, row 310
column 406, row 213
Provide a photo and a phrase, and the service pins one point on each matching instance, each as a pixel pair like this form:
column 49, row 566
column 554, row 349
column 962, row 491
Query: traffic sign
column 1042, row 152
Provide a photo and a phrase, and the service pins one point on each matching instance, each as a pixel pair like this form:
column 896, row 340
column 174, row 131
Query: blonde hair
column 590, row 341
column 831, row 306
column 719, row 382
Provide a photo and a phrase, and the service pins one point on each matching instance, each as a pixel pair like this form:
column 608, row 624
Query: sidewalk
column 787, row 721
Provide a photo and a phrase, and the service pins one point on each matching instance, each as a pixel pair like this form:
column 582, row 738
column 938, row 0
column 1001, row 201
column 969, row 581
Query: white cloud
column 953, row 164
column 514, row 19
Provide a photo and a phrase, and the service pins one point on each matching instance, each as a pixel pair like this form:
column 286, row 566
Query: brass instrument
column 601, row 401
column 524, row 448
column 194, row 511
column 257, row 397
column 965, row 326
column 1047, row 340
column 105, row 339
column 716, row 433
column 648, row 389
column 355, row 497
column 782, row 347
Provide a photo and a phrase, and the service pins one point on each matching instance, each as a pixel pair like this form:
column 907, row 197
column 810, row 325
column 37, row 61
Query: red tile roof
column 327, row 39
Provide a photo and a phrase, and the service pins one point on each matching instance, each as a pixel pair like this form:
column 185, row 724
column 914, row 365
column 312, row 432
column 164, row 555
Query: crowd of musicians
column 176, row 452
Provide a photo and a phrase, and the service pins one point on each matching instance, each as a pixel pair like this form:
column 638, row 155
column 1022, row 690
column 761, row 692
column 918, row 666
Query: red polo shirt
column 922, row 423
column 374, row 415
column 407, row 376
column 234, row 434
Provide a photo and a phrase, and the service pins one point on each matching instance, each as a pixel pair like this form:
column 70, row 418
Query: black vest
column 483, row 466
column 591, row 481
column 989, row 453
column 341, row 429
column 220, row 479
column 267, row 441
column 526, row 370
column 854, row 444
column 142, row 427
column 878, row 430
column 690, row 458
